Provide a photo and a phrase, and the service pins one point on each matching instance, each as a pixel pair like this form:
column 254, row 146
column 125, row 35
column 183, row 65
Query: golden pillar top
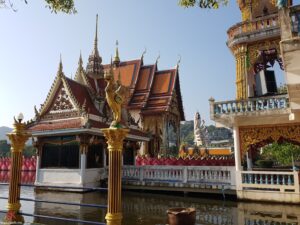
column 115, row 137
column 18, row 136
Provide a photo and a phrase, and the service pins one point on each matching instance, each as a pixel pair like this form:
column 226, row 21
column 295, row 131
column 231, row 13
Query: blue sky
column 32, row 39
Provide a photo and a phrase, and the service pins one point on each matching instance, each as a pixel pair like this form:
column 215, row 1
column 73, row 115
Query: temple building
column 67, row 128
column 262, row 115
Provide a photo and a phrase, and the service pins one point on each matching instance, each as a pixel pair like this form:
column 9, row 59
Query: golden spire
column 117, row 60
column 94, row 67
column 96, row 36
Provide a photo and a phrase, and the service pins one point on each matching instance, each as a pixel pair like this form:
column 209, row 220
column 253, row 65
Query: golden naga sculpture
column 115, row 96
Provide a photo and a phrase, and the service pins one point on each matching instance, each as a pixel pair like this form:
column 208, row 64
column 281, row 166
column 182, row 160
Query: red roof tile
column 82, row 95
column 57, row 125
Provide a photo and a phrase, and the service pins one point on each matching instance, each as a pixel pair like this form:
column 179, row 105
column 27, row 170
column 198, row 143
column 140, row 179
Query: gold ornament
column 253, row 135
column 115, row 96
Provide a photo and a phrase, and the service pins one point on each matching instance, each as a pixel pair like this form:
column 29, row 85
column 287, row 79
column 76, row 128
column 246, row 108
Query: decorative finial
column 60, row 67
column 178, row 62
column 80, row 63
column 144, row 52
column 117, row 58
column 158, row 57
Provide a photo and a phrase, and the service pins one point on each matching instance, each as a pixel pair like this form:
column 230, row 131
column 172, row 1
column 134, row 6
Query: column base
column 113, row 218
column 13, row 206
column 13, row 216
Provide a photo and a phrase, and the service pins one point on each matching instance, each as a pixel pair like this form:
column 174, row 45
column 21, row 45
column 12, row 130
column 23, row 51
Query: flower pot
column 181, row 216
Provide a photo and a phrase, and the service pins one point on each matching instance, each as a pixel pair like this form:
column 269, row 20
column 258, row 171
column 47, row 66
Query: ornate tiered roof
column 81, row 104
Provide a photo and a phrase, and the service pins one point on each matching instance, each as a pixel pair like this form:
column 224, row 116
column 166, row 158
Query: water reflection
column 149, row 209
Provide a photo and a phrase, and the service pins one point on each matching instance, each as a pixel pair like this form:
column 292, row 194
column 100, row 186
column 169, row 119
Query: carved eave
column 51, row 94
column 70, row 93
column 81, row 77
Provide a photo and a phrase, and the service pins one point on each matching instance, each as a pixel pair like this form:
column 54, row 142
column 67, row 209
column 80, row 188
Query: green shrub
column 264, row 163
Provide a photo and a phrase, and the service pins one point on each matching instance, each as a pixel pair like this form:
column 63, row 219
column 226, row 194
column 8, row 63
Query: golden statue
column 115, row 96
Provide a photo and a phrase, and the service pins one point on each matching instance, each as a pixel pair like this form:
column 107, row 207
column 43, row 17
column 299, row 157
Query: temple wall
column 58, row 176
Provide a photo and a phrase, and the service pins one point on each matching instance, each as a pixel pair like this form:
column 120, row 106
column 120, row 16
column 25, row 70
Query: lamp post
column 18, row 138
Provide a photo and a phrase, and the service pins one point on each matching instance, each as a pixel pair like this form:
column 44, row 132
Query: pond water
column 150, row 209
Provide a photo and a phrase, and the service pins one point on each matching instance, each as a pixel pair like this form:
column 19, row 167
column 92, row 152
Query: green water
column 150, row 209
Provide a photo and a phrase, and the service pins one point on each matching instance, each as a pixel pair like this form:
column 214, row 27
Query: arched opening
column 280, row 154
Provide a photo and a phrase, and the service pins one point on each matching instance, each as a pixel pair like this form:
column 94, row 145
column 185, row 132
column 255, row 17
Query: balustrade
column 180, row 175
column 251, row 105
column 256, row 25
column 270, row 180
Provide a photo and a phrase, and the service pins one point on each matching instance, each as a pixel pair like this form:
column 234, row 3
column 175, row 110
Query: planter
column 181, row 216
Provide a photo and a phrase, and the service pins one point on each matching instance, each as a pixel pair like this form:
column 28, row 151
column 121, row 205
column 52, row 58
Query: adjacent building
column 261, row 114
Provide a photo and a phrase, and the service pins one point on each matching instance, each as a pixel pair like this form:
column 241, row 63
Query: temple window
column 60, row 152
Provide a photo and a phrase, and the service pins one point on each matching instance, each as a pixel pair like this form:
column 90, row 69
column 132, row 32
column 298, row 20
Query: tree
column 68, row 6
column 282, row 153
column 29, row 151
column 65, row 6
column 4, row 148
column 214, row 4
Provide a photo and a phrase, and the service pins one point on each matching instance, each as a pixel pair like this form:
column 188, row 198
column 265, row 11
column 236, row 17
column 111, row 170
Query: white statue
column 200, row 131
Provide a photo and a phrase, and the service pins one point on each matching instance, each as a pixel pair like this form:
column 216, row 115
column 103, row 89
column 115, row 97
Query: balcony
column 257, row 29
column 226, row 111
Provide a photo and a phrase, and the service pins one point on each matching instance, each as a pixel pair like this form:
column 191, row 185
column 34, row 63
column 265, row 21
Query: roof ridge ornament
column 80, row 62
column 60, row 67
column 117, row 60
column 144, row 53
column 158, row 57
column 178, row 61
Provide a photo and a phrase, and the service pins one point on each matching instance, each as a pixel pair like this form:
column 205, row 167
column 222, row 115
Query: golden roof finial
column 60, row 67
column 158, row 57
column 80, row 63
column 144, row 52
column 117, row 58
column 178, row 62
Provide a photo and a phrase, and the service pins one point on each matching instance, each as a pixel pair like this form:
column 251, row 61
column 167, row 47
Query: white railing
column 207, row 175
column 270, row 180
column 251, row 105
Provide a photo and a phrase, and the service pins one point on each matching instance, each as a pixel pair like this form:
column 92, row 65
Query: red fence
column 29, row 164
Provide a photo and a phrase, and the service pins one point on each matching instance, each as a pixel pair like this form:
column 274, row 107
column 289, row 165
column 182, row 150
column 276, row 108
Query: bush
column 283, row 153
column 264, row 163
